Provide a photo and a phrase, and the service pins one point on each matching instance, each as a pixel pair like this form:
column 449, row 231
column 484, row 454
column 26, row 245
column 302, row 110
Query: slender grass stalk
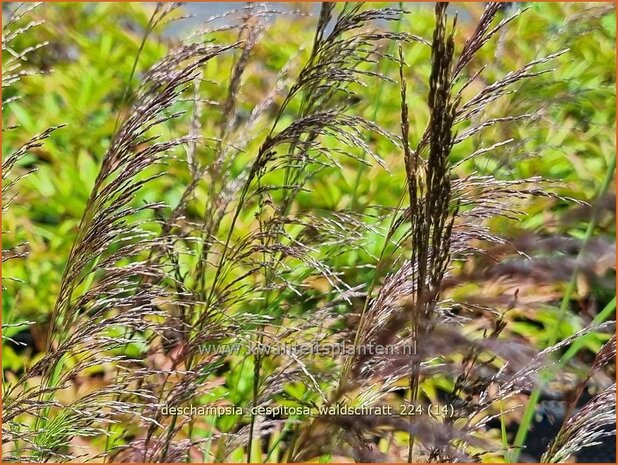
column 547, row 375
column 152, row 23
column 377, row 105
column 503, row 436
column 241, row 265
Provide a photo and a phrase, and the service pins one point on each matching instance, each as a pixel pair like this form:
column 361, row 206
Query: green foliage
column 86, row 66
column 97, row 54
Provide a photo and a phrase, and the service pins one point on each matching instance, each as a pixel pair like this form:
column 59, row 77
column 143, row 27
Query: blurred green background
column 82, row 74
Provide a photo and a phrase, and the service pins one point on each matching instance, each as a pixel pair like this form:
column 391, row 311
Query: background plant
column 274, row 207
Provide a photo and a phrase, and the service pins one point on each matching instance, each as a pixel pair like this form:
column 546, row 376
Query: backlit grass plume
column 228, row 228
